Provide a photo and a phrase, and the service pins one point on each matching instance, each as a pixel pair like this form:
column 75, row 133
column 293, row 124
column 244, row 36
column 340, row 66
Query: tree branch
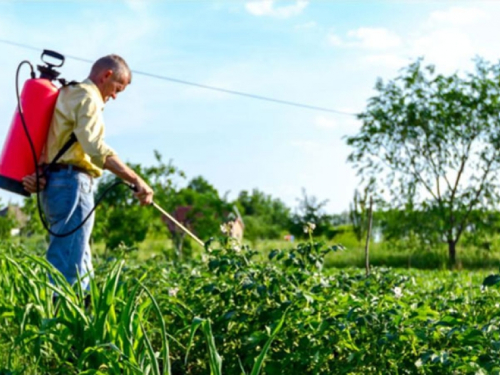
column 416, row 173
column 435, row 170
column 473, row 202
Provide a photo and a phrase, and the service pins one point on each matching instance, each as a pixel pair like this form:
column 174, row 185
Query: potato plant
column 227, row 313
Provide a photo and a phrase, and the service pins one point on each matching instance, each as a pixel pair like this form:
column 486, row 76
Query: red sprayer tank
column 38, row 99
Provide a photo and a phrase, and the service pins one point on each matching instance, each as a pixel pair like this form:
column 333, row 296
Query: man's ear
column 108, row 73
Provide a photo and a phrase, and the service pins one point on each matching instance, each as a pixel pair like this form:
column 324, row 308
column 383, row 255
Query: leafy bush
column 227, row 313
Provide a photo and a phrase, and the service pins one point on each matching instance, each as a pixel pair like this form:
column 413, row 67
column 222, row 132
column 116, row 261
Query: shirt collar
column 95, row 90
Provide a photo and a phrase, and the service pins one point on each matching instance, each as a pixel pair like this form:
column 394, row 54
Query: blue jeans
column 67, row 199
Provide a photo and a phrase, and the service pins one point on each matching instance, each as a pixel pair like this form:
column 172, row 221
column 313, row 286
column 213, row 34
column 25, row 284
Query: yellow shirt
column 79, row 110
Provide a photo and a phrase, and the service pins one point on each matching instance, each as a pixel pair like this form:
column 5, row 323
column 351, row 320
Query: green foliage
column 120, row 218
column 33, row 225
column 63, row 335
column 11, row 219
column 7, row 223
column 434, row 141
column 230, row 314
column 310, row 210
column 263, row 215
column 358, row 214
column 410, row 225
column 207, row 210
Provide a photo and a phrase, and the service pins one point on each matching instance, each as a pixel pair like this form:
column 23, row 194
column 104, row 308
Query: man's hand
column 143, row 192
column 29, row 183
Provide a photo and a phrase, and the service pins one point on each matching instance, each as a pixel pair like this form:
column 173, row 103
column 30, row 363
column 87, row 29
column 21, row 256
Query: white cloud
column 448, row 38
column 374, row 38
column 448, row 48
column 267, row 8
column 367, row 38
column 391, row 61
column 458, row 16
column 335, row 40
column 136, row 5
column 451, row 38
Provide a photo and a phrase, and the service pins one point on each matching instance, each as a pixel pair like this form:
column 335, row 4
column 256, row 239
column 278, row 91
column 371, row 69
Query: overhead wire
column 199, row 85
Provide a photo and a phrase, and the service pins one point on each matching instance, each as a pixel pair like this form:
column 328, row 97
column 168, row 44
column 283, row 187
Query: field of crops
column 227, row 313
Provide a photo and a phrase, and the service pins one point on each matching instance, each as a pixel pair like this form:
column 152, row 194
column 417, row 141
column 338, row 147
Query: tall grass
column 53, row 331
column 117, row 327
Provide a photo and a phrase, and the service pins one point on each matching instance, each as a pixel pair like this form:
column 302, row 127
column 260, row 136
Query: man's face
column 112, row 85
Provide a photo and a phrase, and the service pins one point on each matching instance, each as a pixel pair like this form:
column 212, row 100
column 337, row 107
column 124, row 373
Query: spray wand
column 170, row 217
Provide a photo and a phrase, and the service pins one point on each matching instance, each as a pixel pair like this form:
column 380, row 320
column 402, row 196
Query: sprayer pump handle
column 53, row 54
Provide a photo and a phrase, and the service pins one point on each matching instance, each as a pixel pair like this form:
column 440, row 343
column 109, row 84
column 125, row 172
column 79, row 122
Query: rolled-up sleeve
column 89, row 131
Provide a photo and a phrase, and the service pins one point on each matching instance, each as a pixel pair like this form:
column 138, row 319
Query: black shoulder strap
column 65, row 83
column 72, row 139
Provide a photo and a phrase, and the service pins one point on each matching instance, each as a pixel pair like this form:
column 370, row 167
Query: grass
column 395, row 255
column 383, row 254
column 401, row 255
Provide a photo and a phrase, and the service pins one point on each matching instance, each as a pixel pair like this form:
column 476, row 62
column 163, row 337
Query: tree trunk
column 368, row 233
column 452, row 253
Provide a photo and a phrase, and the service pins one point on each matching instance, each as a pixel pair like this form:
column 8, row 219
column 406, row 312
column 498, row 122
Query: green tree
column 120, row 218
column 205, row 211
column 434, row 141
column 265, row 217
column 311, row 210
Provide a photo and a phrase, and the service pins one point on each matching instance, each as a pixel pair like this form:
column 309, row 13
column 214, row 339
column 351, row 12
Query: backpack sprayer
column 29, row 129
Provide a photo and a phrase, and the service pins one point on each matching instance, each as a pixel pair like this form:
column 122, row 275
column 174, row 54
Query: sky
column 325, row 54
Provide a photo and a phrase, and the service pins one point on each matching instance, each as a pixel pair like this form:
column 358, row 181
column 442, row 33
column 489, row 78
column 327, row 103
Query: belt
column 63, row 167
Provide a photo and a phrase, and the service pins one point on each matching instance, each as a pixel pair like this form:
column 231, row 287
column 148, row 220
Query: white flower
column 398, row 292
column 226, row 228
column 309, row 227
column 195, row 272
column 172, row 292
column 223, row 228
column 237, row 249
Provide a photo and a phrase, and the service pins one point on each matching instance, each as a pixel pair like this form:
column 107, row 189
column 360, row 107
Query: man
column 67, row 196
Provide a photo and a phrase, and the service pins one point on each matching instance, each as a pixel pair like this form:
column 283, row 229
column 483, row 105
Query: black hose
column 38, row 176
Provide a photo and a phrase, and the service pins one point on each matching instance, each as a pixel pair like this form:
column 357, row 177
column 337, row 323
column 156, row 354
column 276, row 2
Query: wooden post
column 368, row 233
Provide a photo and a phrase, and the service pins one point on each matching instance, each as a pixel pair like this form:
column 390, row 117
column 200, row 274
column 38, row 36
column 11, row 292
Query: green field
column 235, row 311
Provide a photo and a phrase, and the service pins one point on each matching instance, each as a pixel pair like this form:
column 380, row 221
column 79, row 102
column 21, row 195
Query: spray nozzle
column 47, row 71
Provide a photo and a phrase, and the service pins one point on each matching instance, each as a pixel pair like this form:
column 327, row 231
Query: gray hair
column 112, row 62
